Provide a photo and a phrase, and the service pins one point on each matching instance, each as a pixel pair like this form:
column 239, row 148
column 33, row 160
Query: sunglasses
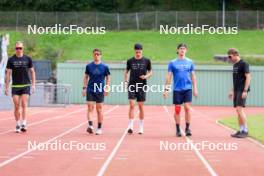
column 19, row 48
column 97, row 54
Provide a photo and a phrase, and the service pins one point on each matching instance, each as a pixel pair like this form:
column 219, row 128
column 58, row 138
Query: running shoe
column 99, row 131
column 90, row 129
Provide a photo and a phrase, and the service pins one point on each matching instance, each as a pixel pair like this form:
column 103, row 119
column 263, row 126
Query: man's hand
column 33, row 89
column 143, row 76
column 6, row 91
column 244, row 95
column 231, row 95
column 106, row 93
column 165, row 94
column 83, row 92
column 195, row 93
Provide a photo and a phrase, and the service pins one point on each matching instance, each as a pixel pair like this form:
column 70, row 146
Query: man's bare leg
column 99, row 110
column 141, row 117
column 131, row 116
column 187, row 109
column 24, row 102
column 16, row 101
column 90, row 108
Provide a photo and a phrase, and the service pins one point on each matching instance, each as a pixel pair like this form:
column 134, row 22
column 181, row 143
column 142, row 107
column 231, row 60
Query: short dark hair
column 98, row 50
column 138, row 46
column 233, row 51
column 182, row 45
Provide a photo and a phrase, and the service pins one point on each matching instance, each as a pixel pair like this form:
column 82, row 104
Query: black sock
column 99, row 125
column 178, row 127
column 187, row 125
column 90, row 123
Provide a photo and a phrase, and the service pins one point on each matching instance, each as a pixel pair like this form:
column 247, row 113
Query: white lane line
column 48, row 141
column 111, row 156
column 45, row 120
column 200, row 156
column 230, row 129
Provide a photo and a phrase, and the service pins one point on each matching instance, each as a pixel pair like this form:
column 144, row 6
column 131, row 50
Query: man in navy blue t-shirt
column 184, row 80
column 96, row 83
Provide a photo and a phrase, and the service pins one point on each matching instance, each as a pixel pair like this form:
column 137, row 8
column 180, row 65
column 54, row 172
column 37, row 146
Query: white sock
column 141, row 123
column 18, row 123
column 241, row 128
column 131, row 123
column 24, row 122
column 245, row 128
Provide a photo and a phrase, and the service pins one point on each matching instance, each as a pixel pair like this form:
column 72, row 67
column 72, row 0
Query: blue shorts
column 183, row 96
column 98, row 97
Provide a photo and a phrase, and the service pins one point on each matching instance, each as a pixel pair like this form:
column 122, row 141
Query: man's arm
column 194, row 81
column 7, row 81
column 167, row 84
column 107, row 80
column 85, row 82
column 247, row 83
column 33, row 76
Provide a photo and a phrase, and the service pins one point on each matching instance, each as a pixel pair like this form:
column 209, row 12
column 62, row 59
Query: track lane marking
column 50, row 140
column 200, row 156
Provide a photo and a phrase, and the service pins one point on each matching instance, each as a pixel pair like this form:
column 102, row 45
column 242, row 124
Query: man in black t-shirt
column 19, row 65
column 241, row 82
column 139, row 70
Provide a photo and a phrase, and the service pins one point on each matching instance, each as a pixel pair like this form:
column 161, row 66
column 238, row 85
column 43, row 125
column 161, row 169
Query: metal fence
column 214, row 83
column 49, row 94
column 133, row 21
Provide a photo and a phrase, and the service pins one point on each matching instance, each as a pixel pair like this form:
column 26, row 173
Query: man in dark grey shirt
column 241, row 82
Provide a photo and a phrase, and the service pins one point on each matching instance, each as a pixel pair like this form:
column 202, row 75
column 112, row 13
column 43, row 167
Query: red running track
column 124, row 154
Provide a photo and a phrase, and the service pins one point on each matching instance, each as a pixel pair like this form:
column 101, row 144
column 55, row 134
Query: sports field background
column 118, row 46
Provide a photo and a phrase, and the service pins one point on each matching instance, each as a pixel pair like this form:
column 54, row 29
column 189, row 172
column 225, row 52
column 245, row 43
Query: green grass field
column 118, row 46
column 255, row 125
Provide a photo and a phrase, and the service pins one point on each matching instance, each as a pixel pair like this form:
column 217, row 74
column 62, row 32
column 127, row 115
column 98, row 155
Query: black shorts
column 98, row 97
column 238, row 100
column 183, row 96
column 20, row 90
column 139, row 95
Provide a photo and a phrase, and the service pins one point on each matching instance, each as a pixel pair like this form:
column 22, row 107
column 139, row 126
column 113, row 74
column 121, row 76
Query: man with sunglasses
column 184, row 80
column 95, row 88
column 139, row 70
column 18, row 65
column 241, row 82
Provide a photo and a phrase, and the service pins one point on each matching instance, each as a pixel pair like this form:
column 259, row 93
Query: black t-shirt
column 239, row 70
column 20, row 67
column 138, row 67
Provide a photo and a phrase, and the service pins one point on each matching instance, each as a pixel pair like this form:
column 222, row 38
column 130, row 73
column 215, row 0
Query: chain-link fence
column 133, row 21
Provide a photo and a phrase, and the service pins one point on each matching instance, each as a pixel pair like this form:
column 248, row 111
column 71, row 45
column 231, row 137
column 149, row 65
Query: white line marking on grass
column 48, row 141
column 48, row 119
column 230, row 129
column 200, row 156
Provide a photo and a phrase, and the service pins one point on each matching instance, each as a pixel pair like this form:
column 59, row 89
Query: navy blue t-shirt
column 97, row 74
